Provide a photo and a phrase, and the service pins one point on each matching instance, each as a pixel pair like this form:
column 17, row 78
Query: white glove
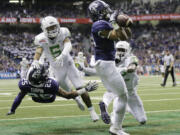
column 59, row 60
column 131, row 68
column 114, row 15
column 91, row 86
column 36, row 64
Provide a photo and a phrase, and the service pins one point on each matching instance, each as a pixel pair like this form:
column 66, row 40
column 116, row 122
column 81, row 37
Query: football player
column 44, row 89
column 104, row 36
column 80, row 61
column 54, row 44
column 24, row 67
column 126, row 64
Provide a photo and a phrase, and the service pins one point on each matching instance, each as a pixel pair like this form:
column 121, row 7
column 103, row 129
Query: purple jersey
column 104, row 48
column 44, row 94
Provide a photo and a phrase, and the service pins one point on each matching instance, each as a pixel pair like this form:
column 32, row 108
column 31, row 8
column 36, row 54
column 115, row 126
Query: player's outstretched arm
column 67, row 49
column 37, row 56
column 91, row 86
column 16, row 103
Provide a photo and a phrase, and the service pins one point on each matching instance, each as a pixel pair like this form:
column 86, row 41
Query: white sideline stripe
column 100, row 98
column 97, row 98
column 96, row 92
column 72, row 116
column 1, row 108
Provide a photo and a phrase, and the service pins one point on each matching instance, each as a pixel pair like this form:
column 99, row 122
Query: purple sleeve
column 17, row 101
column 55, row 86
column 101, row 25
column 52, row 86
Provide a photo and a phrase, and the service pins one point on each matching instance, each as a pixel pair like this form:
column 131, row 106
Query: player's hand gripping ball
column 124, row 20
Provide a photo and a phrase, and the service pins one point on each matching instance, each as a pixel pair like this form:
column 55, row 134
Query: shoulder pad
column 40, row 39
column 101, row 25
column 65, row 32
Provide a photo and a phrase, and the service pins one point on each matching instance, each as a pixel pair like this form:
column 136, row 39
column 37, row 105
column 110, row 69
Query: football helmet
column 50, row 27
column 122, row 50
column 80, row 54
column 99, row 10
column 38, row 76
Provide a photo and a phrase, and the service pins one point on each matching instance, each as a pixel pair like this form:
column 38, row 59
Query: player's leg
column 134, row 102
column 173, row 76
column 60, row 76
column 66, row 85
column 166, row 76
column 108, row 97
column 103, row 105
column 136, row 106
column 114, row 82
column 78, row 83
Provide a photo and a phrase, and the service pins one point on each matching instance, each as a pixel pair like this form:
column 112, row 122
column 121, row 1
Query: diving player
column 44, row 89
column 126, row 64
column 54, row 44
column 24, row 67
column 104, row 36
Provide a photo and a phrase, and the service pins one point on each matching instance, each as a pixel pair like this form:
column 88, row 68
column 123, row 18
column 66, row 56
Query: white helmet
column 50, row 26
column 80, row 54
column 122, row 50
column 23, row 59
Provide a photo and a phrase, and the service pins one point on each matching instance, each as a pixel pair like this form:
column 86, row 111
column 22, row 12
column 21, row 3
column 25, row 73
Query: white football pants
column 65, row 72
column 114, row 83
column 134, row 102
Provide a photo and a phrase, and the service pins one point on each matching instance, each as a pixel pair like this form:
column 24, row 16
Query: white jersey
column 131, row 79
column 52, row 48
column 168, row 59
column 24, row 64
column 80, row 60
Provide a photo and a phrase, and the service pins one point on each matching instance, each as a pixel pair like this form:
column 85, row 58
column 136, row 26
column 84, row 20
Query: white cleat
column 79, row 103
column 116, row 131
column 94, row 116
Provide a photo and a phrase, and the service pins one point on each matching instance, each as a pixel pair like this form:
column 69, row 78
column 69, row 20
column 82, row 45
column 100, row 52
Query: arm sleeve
column 17, row 101
column 67, row 48
column 90, row 71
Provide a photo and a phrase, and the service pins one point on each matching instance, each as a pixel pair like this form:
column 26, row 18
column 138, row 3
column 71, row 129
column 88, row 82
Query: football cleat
column 174, row 84
column 162, row 85
column 104, row 114
column 10, row 113
column 143, row 122
column 94, row 116
column 116, row 131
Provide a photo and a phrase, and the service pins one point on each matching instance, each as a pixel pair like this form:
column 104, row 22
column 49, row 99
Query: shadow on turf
column 101, row 129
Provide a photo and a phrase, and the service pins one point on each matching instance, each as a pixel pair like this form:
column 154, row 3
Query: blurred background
column 156, row 28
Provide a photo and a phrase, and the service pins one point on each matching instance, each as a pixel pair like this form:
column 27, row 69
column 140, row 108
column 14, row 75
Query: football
column 124, row 20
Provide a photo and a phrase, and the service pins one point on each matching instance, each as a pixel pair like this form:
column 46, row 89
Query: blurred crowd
column 148, row 44
column 7, row 64
column 131, row 8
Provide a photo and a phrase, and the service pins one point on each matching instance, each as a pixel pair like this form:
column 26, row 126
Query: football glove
column 36, row 64
column 114, row 15
column 10, row 113
column 91, row 86
column 131, row 68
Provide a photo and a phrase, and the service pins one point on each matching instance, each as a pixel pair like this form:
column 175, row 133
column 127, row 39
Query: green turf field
column 64, row 118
